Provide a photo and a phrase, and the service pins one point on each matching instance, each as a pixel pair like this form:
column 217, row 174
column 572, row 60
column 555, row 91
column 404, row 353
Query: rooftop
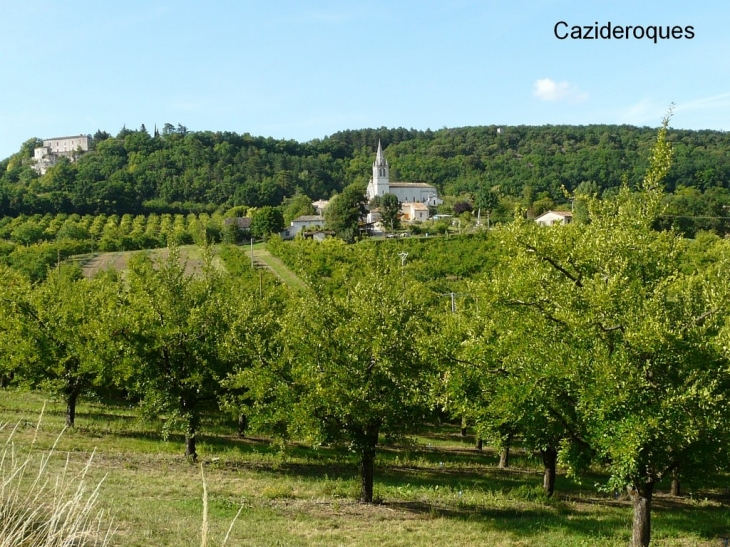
column 559, row 213
column 412, row 185
column 416, row 206
column 64, row 138
column 241, row 222
column 309, row 218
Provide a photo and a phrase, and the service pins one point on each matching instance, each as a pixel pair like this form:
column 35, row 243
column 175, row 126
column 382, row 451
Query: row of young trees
column 597, row 345
column 112, row 232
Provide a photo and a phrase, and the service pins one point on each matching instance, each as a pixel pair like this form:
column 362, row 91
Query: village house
column 301, row 223
column 414, row 212
column 555, row 217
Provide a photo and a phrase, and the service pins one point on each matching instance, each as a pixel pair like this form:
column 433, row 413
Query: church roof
column 411, row 185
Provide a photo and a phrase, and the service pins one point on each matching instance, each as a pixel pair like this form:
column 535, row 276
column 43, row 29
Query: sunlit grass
column 435, row 490
column 43, row 504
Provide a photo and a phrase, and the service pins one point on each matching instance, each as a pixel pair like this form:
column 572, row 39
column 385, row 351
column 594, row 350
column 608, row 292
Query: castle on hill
column 407, row 192
column 47, row 156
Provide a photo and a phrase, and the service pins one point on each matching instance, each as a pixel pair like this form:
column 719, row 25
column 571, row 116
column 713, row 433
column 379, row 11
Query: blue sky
column 306, row 69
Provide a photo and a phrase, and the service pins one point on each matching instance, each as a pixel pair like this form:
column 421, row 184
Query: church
column 407, row 192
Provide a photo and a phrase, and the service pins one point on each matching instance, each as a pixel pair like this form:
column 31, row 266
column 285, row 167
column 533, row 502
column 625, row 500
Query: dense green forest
column 181, row 171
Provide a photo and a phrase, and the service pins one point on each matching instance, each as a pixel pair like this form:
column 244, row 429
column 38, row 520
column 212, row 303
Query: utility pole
column 453, row 296
column 403, row 255
column 252, row 253
column 453, row 299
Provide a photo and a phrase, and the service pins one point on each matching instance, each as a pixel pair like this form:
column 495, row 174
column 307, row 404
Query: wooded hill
column 179, row 171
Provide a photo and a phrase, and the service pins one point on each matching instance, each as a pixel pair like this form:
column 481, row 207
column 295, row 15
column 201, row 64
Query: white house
column 555, row 217
column 411, row 192
column 301, row 223
column 413, row 212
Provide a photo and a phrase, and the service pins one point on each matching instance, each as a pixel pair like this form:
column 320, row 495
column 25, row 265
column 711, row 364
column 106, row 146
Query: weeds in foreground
column 39, row 508
column 204, row 530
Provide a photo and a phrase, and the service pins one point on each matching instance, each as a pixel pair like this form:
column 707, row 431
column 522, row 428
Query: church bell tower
column 381, row 173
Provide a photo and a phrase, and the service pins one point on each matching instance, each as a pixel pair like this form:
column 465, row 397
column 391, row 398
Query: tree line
column 182, row 171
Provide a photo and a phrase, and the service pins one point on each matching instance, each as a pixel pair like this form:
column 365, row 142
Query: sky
column 306, row 69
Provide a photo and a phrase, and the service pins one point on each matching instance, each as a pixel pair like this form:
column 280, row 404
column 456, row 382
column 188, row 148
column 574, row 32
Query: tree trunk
column 242, row 424
column 676, row 490
column 191, row 428
column 71, row 399
column 479, row 444
column 463, row 427
column 190, row 446
column 549, row 461
column 641, row 498
column 504, row 458
column 5, row 379
column 367, row 464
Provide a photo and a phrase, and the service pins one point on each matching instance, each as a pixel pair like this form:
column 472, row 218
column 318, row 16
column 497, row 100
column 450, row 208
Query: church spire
column 380, row 183
column 380, row 160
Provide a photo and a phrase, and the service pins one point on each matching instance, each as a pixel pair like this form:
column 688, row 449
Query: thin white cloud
column 705, row 103
column 650, row 111
column 546, row 89
column 643, row 112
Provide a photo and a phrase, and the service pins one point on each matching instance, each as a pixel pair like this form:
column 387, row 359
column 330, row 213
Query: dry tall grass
column 204, row 529
column 42, row 508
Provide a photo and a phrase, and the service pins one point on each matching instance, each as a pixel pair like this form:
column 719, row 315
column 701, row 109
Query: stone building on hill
column 47, row 156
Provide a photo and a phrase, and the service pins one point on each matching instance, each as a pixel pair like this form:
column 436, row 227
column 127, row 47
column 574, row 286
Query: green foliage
column 63, row 346
column 390, row 211
column 297, row 206
column 183, row 172
column 439, row 263
column 351, row 369
column 602, row 338
column 173, row 327
column 44, row 241
column 345, row 211
column 267, row 221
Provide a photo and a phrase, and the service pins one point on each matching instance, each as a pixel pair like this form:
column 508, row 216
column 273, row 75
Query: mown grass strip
column 287, row 276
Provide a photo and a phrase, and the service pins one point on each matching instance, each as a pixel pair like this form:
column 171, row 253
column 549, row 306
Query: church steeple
column 381, row 173
column 380, row 160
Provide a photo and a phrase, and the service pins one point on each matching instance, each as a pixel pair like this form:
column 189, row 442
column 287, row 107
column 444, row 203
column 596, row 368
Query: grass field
column 93, row 264
column 435, row 491
column 190, row 256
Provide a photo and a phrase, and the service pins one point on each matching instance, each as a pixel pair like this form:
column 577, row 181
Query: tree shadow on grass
column 531, row 521
column 612, row 522
column 576, row 509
